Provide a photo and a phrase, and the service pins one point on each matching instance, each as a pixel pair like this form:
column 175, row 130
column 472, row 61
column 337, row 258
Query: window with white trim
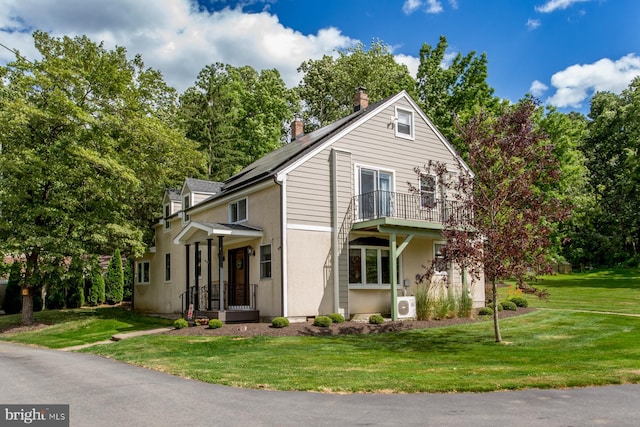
column 440, row 266
column 427, row 190
column 369, row 267
column 404, row 123
column 265, row 261
column 167, row 213
column 143, row 272
column 167, row 267
column 238, row 211
column 186, row 205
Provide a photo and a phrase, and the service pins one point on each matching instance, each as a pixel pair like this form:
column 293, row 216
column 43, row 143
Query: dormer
column 195, row 191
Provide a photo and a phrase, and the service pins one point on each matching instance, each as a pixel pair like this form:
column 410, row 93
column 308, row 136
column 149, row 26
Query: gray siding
column 372, row 144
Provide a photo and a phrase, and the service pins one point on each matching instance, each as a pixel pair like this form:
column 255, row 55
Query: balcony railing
column 415, row 207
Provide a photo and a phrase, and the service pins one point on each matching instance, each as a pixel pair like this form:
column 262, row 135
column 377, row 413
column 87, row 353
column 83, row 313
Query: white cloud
column 411, row 62
column 538, row 88
column 578, row 82
column 532, row 24
column 553, row 5
column 411, row 6
column 172, row 36
column 434, row 6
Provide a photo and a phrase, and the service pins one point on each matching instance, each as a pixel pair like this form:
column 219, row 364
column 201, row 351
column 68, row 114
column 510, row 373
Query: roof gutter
column 281, row 180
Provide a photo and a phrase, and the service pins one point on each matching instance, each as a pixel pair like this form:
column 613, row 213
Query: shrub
column 465, row 303
column 485, row 311
column 424, row 303
column 13, row 295
column 215, row 323
column 519, row 301
column 180, row 323
column 280, row 322
column 376, row 319
column 114, row 279
column 336, row 318
column 322, row 321
column 508, row 305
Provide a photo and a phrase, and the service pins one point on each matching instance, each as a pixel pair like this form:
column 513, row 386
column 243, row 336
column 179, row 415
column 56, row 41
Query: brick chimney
column 297, row 127
column 360, row 99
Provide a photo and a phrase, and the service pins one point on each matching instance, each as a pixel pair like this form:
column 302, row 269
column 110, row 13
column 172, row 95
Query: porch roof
column 196, row 231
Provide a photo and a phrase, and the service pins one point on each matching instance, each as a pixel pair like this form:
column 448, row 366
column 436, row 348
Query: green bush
column 215, row 323
column 336, row 318
column 519, row 301
column 13, row 295
column 114, row 279
column 509, row 305
column 280, row 322
column 180, row 323
column 485, row 311
column 376, row 319
column 322, row 321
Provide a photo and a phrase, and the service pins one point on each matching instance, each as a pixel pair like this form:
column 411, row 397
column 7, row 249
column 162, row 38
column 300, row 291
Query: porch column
column 196, row 261
column 221, row 270
column 186, row 295
column 393, row 271
column 209, row 290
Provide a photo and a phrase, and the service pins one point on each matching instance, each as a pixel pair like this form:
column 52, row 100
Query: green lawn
column 78, row 326
column 573, row 340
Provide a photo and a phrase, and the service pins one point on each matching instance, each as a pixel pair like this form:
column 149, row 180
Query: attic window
column 404, row 124
column 185, row 206
column 167, row 213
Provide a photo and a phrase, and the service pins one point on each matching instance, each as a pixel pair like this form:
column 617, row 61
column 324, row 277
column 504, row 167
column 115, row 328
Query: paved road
column 103, row 392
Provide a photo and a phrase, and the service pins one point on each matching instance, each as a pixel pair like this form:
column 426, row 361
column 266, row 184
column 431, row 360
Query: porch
column 199, row 305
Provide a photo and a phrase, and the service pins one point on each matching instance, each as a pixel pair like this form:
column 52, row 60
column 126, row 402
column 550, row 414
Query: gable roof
column 286, row 158
column 202, row 186
column 172, row 194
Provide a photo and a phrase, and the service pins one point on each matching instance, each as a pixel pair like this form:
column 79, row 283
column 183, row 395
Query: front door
column 238, row 292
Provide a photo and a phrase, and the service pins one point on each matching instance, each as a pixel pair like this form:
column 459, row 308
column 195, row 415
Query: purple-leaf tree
column 501, row 225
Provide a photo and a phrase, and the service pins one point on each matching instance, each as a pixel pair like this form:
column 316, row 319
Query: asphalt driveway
column 102, row 392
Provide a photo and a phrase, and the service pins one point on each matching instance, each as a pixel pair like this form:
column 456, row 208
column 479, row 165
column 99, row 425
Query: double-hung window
column 440, row 265
column 238, row 211
column 167, row 213
column 143, row 272
column 427, row 191
column 265, row 261
column 167, row 267
column 404, row 123
column 186, row 205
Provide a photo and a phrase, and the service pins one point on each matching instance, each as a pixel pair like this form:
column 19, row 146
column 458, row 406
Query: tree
column 453, row 92
column 114, row 279
column 504, row 221
column 236, row 115
column 329, row 84
column 12, row 303
column 611, row 150
column 74, row 284
column 94, row 283
column 86, row 153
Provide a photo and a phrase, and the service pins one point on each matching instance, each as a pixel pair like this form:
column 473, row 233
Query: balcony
column 414, row 208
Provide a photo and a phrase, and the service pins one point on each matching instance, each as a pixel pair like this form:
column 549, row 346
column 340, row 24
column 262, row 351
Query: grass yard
column 588, row 333
column 78, row 326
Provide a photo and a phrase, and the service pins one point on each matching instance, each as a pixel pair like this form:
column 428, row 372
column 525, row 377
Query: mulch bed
column 346, row 328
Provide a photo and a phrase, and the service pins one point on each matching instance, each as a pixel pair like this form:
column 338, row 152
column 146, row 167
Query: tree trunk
column 496, row 325
column 27, row 306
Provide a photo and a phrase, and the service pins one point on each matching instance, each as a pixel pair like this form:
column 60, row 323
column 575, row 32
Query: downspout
column 334, row 233
column 282, row 181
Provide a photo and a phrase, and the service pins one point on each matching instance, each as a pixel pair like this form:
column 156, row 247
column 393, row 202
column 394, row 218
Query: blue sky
column 560, row 50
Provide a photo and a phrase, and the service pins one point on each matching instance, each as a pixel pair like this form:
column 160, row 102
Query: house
column 312, row 227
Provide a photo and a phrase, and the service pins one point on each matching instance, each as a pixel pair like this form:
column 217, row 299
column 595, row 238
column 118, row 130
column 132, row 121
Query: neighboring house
column 310, row 228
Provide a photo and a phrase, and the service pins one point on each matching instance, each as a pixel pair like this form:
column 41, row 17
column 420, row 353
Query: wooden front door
column 238, row 278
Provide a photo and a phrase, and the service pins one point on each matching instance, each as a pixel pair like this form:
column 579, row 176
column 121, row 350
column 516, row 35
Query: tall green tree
column 329, row 84
column 86, row 151
column 611, row 150
column 114, row 279
column 94, row 283
column 236, row 115
column 12, row 302
column 454, row 91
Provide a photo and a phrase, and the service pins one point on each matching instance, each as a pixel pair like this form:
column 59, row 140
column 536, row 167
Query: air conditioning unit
column 406, row 307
